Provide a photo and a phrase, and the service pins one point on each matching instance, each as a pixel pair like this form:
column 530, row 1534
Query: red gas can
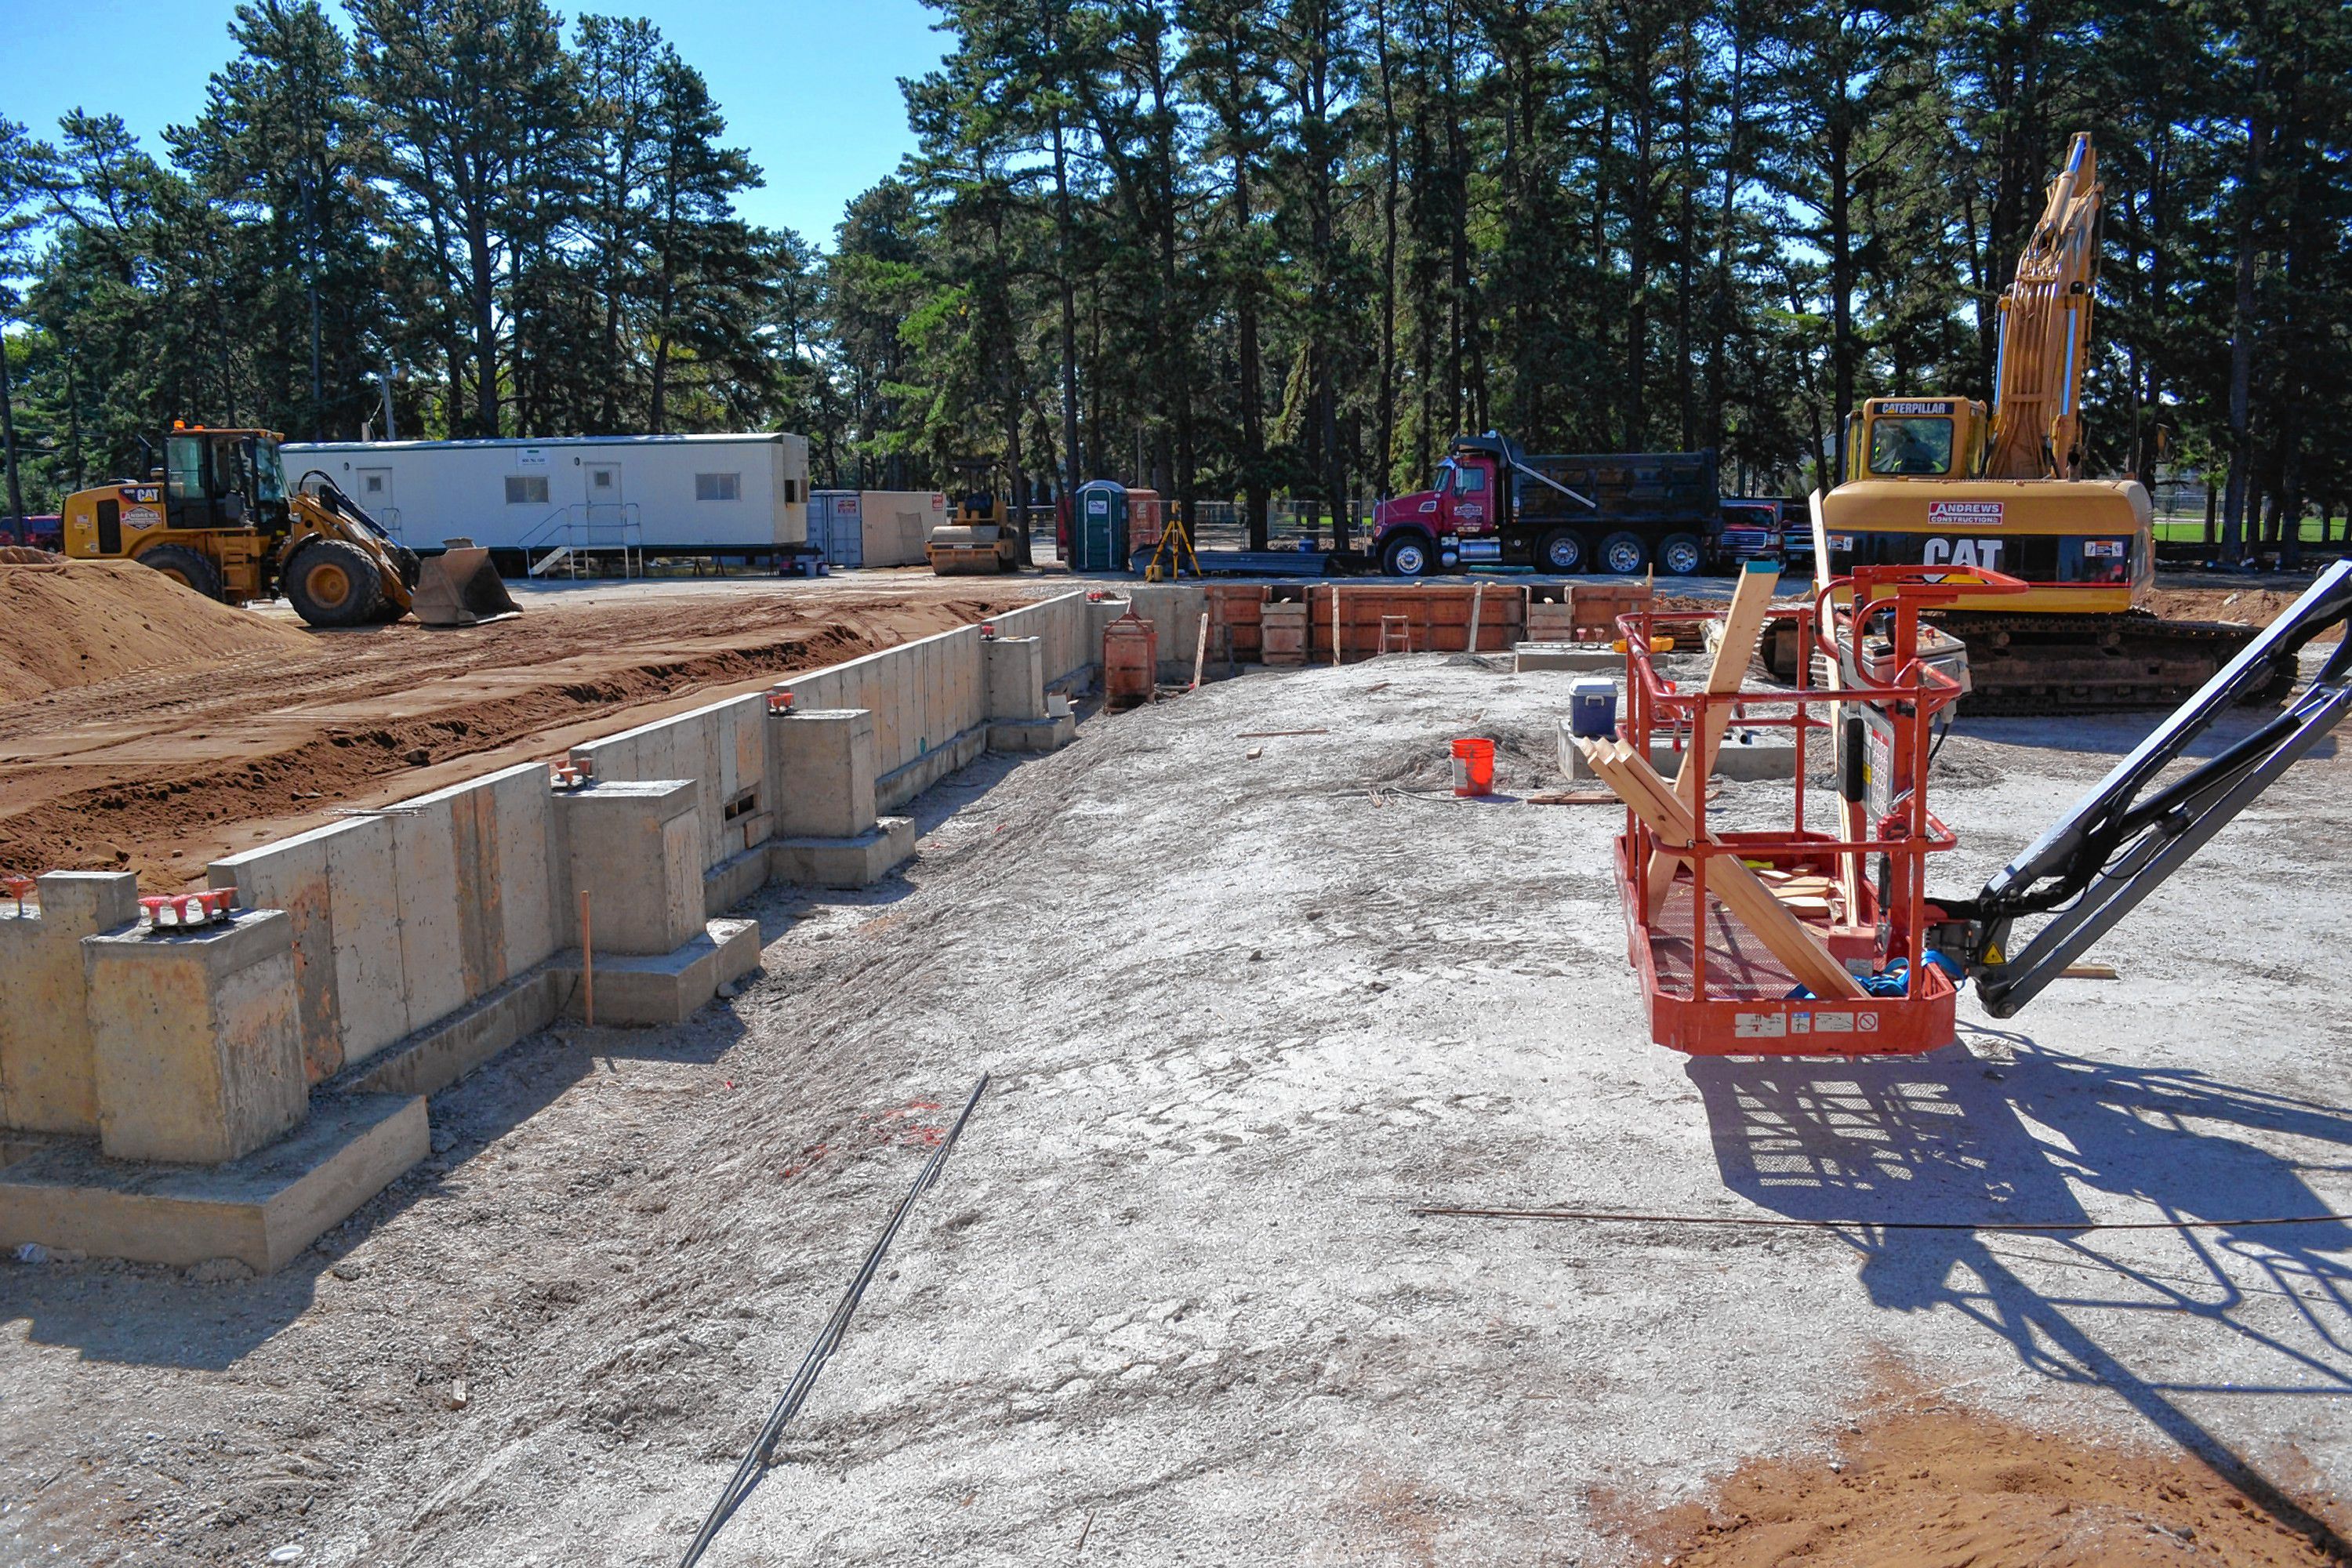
column 1130, row 661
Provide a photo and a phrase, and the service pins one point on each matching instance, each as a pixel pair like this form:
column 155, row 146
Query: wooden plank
column 1731, row 882
column 1743, row 624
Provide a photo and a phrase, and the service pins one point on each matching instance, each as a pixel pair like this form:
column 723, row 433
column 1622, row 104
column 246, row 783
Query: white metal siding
column 448, row 489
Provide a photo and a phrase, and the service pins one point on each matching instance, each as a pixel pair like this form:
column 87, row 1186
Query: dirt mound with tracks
column 146, row 728
column 67, row 624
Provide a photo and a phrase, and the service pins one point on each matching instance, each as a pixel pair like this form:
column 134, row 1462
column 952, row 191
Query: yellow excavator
column 1942, row 481
column 216, row 516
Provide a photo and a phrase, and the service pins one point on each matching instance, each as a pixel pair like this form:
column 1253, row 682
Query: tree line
column 1235, row 249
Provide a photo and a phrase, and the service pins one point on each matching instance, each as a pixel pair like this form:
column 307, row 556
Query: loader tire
column 333, row 583
column 188, row 568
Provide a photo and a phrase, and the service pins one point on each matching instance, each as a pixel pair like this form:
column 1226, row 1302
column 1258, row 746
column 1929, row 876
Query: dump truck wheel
column 1410, row 556
column 1623, row 555
column 1562, row 550
column 334, row 585
column 1681, row 556
column 188, row 568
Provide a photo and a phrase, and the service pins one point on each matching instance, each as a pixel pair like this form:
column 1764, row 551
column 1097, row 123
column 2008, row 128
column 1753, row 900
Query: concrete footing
column 381, row 958
column 197, row 1039
column 647, row 990
column 1770, row 756
column 1583, row 656
column 1032, row 734
column 858, row 861
column 433, row 1058
column 261, row 1209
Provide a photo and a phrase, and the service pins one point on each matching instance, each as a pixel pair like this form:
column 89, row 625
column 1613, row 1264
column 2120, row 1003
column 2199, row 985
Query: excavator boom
column 2045, row 333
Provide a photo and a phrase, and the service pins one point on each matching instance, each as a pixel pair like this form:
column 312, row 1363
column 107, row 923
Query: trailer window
column 526, row 489
column 719, row 487
column 1910, row 446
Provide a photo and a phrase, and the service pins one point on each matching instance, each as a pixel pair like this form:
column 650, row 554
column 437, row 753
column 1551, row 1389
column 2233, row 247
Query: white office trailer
column 582, row 495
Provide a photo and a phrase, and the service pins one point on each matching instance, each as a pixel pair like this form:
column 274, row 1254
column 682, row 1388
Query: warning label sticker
column 1760, row 1026
column 1833, row 1022
column 1866, row 1023
column 1964, row 513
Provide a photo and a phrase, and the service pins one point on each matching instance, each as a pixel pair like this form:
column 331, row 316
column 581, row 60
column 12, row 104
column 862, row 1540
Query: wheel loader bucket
column 460, row 588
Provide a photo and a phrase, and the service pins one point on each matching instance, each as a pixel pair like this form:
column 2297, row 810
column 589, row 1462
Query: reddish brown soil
column 169, row 765
column 2260, row 606
column 65, row 624
column 1946, row 1489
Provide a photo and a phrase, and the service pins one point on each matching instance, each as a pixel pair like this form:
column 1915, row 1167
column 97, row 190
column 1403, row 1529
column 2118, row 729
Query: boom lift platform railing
column 1713, row 984
column 1858, row 888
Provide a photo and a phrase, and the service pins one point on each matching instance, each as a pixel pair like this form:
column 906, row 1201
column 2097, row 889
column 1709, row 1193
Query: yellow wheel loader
column 218, row 517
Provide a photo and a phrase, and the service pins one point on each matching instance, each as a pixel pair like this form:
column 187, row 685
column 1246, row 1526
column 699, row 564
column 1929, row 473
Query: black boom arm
column 2123, row 839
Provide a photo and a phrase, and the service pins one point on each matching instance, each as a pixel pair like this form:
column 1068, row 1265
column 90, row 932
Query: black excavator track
column 2029, row 665
column 2052, row 664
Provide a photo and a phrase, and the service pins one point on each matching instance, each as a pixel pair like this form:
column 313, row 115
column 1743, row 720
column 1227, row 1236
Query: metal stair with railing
column 581, row 539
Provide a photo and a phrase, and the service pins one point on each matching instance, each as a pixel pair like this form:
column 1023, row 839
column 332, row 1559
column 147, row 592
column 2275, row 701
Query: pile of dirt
column 2253, row 605
column 26, row 555
column 76, row 622
column 158, row 772
column 1946, row 1488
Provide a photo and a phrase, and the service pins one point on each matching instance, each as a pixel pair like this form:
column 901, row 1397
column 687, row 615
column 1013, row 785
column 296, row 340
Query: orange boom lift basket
column 1814, row 939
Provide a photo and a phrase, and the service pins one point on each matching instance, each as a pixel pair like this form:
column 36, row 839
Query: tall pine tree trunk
column 2241, row 326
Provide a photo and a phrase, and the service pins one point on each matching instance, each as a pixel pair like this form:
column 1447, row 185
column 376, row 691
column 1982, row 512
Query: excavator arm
column 2045, row 333
column 2121, row 841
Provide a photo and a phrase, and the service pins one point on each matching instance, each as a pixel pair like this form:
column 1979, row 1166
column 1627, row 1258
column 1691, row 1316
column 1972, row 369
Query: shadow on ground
column 2010, row 1136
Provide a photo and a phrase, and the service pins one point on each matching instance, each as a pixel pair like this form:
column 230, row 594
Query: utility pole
column 384, row 379
column 311, row 285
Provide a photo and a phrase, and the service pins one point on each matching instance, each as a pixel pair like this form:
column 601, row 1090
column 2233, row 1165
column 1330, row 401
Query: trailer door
column 375, row 499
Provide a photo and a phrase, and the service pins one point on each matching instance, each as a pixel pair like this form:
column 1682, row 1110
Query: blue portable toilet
column 1098, row 537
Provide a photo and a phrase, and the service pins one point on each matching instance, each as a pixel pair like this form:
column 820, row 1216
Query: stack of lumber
column 1739, row 889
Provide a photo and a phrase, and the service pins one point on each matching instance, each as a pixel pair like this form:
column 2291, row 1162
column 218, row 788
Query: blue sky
column 810, row 87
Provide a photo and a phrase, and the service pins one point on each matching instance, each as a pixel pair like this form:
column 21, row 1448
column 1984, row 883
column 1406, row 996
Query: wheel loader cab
column 224, row 478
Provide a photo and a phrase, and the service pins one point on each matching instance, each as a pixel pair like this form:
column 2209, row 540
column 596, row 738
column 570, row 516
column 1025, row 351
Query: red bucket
column 1474, row 767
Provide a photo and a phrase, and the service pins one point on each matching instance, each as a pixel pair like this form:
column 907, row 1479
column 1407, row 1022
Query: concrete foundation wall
column 402, row 919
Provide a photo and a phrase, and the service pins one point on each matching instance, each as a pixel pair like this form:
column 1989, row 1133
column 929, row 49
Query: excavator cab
column 1916, row 438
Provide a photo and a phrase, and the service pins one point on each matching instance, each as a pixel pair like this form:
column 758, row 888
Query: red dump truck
column 1493, row 504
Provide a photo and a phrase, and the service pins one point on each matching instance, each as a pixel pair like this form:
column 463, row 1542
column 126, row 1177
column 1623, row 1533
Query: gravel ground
column 1167, row 1304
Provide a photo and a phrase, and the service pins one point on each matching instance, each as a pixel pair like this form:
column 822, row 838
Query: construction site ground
column 173, row 749
column 1170, row 1303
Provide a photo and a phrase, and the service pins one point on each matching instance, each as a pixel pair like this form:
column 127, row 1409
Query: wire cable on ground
column 763, row 1446
column 1782, row 1222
